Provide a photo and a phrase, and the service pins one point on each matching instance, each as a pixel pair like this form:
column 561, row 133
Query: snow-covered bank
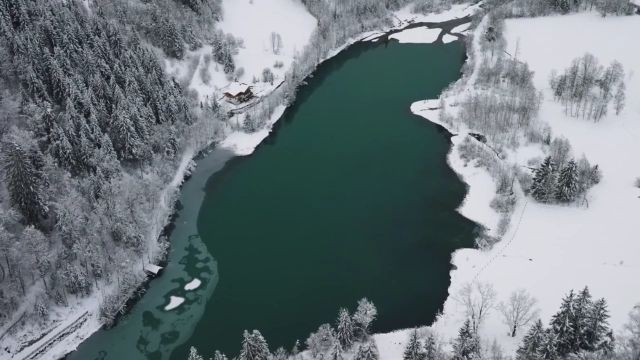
column 551, row 249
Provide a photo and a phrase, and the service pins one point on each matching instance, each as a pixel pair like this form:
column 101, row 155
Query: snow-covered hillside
column 255, row 23
column 551, row 249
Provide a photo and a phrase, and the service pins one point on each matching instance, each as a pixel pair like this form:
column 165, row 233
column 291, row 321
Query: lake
column 350, row 197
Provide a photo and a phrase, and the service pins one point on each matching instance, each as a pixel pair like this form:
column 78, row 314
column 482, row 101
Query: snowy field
column 551, row 249
column 253, row 22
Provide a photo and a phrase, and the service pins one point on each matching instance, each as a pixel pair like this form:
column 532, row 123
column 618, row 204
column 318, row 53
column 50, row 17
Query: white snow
column 461, row 29
column 550, row 249
column 242, row 143
column 235, row 88
column 419, row 35
column 174, row 302
column 154, row 269
column 193, row 284
column 447, row 38
column 254, row 21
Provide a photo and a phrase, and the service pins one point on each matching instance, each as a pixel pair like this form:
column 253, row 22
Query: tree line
column 350, row 337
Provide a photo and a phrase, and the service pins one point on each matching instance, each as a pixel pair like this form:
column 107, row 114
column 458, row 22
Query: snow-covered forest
column 98, row 128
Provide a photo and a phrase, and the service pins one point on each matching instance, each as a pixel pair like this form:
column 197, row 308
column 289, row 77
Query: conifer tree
column 254, row 347
column 582, row 311
column 531, row 342
column 430, row 348
column 543, row 184
column 413, row 350
column 548, row 347
column 466, row 346
column 563, row 326
column 25, row 181
column 219, row 356
column 249, row 124
column 598, row 333
column 567, row 186
column 336, row 352
column 344, row 329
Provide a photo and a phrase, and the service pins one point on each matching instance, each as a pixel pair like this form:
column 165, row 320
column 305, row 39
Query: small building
column 238, row 93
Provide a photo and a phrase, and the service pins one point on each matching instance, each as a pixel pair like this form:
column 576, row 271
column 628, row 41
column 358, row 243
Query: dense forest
column 92, row 131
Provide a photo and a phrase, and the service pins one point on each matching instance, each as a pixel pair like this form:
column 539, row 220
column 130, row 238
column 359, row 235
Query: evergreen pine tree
column 25, row 181
column 413, row 350
column 567, row 185
column 582, row 312
column 562, row 326
column 548, row 347
column 531, row 342
column 430, row 348
column 249, row 124
column 336, row 352
column 598, row 334
column 254, row 347
column 344, row 329
column 466, row 346
column 543, row 184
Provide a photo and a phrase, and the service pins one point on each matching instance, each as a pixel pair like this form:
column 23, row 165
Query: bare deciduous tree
column 478, row 300
column 519, row 310
column 629, row 344
column 276, row 43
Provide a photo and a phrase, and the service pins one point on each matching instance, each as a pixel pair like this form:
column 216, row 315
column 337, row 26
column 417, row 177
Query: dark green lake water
column 350, row 197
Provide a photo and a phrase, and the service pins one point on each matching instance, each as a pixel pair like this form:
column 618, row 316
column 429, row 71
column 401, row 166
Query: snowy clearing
column 254, row 21
column 193, row 284
column 174, row 302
